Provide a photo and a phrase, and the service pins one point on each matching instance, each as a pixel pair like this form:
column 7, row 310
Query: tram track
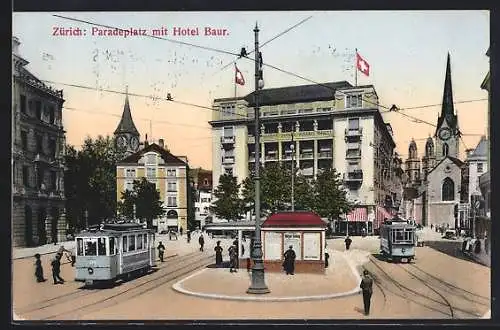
column 408, row 293
column 82, row 291
column 141, row 289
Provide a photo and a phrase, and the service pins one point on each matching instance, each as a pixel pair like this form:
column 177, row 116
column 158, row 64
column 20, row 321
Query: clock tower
column 447, row 133
column 126, row 133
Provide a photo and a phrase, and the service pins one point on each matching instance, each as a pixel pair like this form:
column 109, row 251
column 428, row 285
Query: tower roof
column 481, row 151
column 126, row 124
column 447, row 108
column 429, row 142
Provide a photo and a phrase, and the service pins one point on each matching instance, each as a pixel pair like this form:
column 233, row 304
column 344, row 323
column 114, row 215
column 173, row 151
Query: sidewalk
column 341, row 279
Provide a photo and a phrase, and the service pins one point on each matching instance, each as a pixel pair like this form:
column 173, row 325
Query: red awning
column 297, row 219
column 359, row 214
column 381, row 214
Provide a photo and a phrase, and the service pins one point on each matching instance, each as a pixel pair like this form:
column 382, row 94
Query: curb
column 179, row 288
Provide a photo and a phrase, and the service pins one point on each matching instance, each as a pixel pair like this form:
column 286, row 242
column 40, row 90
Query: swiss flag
column 238, row 78
column 362, row 65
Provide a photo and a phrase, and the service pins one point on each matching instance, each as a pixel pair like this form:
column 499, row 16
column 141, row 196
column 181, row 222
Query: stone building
column 38, row 139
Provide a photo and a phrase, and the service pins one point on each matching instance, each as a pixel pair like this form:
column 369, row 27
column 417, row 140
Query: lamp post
column 292, row 147
column 258, row 284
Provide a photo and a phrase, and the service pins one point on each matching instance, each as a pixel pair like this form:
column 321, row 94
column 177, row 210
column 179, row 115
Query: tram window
column 131, row 243
column 399, row 235
column 139, row 242
column 101, row 246
column 112, row 246
column 145, row 238
column 79, row 246
column 125, row 244
column 90, row 247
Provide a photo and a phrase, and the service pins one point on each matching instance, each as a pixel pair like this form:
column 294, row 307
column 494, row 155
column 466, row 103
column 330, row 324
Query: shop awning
column 359, row 214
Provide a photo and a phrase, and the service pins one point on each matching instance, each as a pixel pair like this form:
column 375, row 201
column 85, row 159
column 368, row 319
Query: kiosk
column 304, row 231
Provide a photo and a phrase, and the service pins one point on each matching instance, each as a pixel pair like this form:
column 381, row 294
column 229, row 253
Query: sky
column 406, row 51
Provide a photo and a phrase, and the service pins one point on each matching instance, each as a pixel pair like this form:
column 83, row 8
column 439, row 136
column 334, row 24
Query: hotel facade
column 332, row 125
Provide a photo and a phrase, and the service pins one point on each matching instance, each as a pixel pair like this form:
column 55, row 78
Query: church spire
column 447, row 107
column 126, row 124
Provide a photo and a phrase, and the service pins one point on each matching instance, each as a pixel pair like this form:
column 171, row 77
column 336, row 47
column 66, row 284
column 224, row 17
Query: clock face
column 444, row 133
column 134, row 142
column 122, row 141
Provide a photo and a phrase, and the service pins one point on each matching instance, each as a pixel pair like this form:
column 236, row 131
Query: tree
column 125, row 206
column 90, row 179
column 303, row 193
column 146, row 197
column 330, row 200
column 276, row 187
column 227, row 204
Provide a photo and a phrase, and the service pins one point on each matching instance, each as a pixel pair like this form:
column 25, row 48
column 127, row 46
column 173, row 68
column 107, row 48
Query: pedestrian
column 181, row 230
column 327, row 256
column 161, row 250
column 347, row 242
column 38, row 269
column 56, row 270
column 218, row 254
column 289, row 262
column 366, row 288
column 233, row 255
column 201, row 240
column 486, row 243
column 188, row 236
column 432, row 226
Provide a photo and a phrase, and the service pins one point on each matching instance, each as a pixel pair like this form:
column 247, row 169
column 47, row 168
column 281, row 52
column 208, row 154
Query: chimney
column 161, row 143
column 15, row 45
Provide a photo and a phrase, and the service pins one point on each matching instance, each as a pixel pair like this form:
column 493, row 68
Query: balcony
column 353, row 176
column 227, row 139
column 272, row 156
column 325, row 154
column 353, row 154
column 228, row 160
column 43, row 158
column 353, row 132
column 307, row 155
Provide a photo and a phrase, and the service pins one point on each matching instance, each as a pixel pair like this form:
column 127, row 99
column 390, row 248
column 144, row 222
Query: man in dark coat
column 201, row 240
column 233, row 259
column 39, row 269
column 56, row 269
column 366, row 287
column 348, row 242
column 218, row 254
column 327, row 256
column 289, row 262
column 161, row 250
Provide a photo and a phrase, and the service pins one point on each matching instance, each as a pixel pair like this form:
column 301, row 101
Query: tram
column 112, row 251
column 397, row 240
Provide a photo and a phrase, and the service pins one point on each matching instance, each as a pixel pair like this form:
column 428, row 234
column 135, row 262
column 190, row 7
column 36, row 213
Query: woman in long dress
column 218, row 254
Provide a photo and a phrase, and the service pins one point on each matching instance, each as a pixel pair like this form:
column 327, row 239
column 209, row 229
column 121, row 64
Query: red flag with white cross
column 362, row 65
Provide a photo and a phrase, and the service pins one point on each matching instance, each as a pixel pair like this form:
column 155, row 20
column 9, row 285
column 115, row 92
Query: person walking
column 347, row 242
column 289, row 262
column 218, row 254
column 201, row 240
column 39, row 269
column 56, row 270
column 366, row 288
column 161, row 250
column 181, row 230
column 327, row 256
column 188, row 236
column 233, row 255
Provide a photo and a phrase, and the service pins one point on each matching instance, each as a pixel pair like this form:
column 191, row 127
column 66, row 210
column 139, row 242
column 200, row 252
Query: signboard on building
column 312, row 246
column 272, row 246
column 293, row 239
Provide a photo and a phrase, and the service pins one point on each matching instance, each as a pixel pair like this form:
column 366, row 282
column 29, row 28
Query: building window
column 171, row 201
column 205, row 182
column 479, row 167
column 24, row 140
column 229, row 171
column 448, row 190
column 228, row 110
column 23, row 103
column 39, row 143
column 26, row 176
column 52, row 148
column 52, row 114
column 150, row 172
column 445, row 149
column 353, row 124
column 171, row 172
column 228, row 131
column 53, row 180
column 354, row 101
column 38, row 110
column 130, row 173
column 172, row 186
column 40, row 177
column 129, row 185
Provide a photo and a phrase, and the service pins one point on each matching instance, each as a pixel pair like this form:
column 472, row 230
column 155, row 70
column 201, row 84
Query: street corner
column 340, row 279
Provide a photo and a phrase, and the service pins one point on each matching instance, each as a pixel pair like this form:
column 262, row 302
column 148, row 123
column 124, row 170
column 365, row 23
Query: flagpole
column 356, row 68
column 235, row 80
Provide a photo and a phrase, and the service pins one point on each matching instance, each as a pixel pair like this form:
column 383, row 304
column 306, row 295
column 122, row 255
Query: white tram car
column 113, row 251
column 397, row 240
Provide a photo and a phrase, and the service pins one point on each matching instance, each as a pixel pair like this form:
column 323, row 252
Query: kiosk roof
column 294, row 219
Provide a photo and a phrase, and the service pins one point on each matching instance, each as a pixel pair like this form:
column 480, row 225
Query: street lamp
column 258, row 284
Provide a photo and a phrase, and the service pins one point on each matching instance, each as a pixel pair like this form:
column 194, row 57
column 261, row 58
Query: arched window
column 448, row 190
column 445, row 149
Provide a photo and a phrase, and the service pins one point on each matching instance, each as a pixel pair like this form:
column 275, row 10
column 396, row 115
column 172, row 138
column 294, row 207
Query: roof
column 165, row 155
column 126, row 124
column 294, row 219
column 454, row 160
column 296, row 94
column 481, row 150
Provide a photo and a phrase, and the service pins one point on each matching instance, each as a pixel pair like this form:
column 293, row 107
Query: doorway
column 42, row 234
column 54, row 223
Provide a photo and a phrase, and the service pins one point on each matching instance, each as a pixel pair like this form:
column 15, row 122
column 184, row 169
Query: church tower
column 413, row 165
column 429, row 160
column 126, row 133
column 447, row 133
